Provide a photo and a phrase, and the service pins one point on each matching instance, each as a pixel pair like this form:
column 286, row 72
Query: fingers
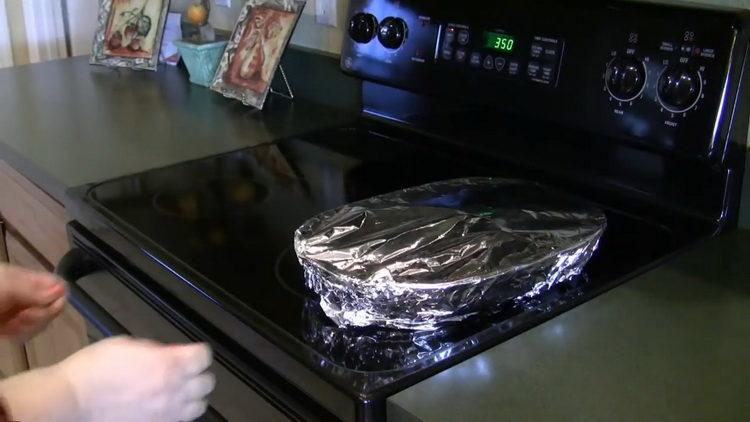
column 196, row 360
column 199, row 387
column 37, row 315
column 28, row 301
column 57, row 306
column 191, row 358
column 24, row 288
column 193, row 410
column 30, row 321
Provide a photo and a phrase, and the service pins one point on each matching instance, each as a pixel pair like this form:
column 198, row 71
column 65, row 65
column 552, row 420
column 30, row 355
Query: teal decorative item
column 201, row 59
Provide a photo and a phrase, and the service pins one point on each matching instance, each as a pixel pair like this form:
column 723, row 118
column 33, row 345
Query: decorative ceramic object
column 201, row 59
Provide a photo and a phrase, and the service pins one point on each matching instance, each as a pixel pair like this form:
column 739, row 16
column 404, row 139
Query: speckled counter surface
column 670, row 345
column 65, row 123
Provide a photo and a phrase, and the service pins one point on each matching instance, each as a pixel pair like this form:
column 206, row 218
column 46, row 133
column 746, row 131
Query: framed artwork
column 254, row 51
column 129, row 33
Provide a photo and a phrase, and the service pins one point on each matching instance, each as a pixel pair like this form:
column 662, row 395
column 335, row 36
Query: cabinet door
column 38, row 218
column 12, row 355
column 63, row 336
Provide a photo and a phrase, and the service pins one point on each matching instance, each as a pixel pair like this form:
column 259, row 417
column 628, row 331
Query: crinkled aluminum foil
column 381, row 349
column 443, row 252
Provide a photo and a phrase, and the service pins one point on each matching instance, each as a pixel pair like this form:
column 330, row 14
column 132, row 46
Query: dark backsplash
column 316, row 76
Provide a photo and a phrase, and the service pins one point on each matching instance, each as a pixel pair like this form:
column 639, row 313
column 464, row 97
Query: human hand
column 29, row 300
column 124, row 379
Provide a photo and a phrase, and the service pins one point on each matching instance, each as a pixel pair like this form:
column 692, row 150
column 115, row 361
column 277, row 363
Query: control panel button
column 536, row 50
column 550, row 52
column 419, row 56
column 533, row 69
column 679, row 88
column 708, row 53
column 450, row 35
column 548, row 72
column 489, row 62
column 666, row 46
column 362, row 27
column 460, row 55
column 625, row 78
column 513, row 68
column 392, row 32
column 475, row 60
column 447, row 53
column 463, row 37
column 499, row 63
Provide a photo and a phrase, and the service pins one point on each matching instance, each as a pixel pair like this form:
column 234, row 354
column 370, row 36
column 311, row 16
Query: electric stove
column 208, row 243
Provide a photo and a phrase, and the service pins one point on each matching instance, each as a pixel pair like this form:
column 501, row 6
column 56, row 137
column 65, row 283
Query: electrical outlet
column 224, row 3
column 325, row 12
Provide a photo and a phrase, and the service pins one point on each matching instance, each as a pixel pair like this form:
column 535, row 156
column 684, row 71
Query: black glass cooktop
column 226, row 224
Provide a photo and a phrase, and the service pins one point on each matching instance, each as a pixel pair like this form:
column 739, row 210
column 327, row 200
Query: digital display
column 499, row 42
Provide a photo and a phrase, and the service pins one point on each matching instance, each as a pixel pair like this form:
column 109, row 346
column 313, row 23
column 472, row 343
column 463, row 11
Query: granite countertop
column 670, row 345
column 58, row 121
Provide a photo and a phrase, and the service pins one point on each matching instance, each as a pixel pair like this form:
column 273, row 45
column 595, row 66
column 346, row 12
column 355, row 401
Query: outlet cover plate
column 223, row 3
column 325, row 12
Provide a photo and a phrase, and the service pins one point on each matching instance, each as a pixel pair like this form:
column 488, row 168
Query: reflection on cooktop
column 382, row 349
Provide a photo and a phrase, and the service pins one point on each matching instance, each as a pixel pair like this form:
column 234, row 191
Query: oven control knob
column 392, row 32
column 679, row 88
column 362, row 27
column 625, row 78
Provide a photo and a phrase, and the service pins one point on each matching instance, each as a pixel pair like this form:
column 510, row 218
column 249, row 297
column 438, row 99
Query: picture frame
column 129, row 33
column 253, row 53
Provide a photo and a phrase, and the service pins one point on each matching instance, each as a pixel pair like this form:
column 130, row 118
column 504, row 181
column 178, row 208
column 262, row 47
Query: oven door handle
column 73, row 266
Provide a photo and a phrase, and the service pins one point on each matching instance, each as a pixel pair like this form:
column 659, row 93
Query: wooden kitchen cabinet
column 35, row 238
column 34, row 215
column 12, row 355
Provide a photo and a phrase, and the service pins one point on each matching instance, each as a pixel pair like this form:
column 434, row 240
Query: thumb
column 191, row 358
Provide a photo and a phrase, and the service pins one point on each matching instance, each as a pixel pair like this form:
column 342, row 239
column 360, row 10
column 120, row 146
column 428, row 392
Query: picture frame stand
column 289, row 94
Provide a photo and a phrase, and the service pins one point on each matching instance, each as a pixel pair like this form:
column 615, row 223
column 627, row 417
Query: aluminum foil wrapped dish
column 443, row 252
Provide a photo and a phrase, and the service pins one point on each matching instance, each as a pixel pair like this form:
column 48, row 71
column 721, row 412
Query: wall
column 308, row 33
column 734, row 3
column 81, row 25
column 82, row 21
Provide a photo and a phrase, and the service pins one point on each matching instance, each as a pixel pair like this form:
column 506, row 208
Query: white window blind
column 6, row 50
column 45, row 29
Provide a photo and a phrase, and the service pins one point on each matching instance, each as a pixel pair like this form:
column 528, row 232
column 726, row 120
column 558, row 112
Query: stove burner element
column 180, row 205
column 286, row 268
column 229, row 196
column 238, row 192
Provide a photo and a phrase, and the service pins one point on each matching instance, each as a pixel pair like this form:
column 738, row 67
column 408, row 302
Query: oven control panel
column 653, row 75
column 667, row 82
column 393, row 47
column 497, row 52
